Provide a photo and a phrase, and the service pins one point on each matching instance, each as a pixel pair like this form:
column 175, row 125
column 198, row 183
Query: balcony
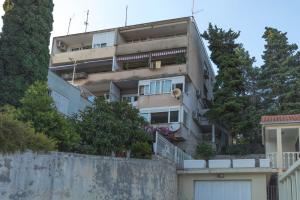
column 288, row 159
column 135, row 74
column 161, row 100
column 152, row 45
column 83, row 55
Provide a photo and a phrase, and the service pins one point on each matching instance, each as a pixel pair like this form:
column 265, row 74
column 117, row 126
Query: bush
column 38, row 107
column 205, row 151
column 16, row 136
column 141, row 150
column 108, row 127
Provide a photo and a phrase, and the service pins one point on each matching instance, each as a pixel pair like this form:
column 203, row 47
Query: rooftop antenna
column 71, row 18
column 194, row 12
column 126, row 15
column 86, row 23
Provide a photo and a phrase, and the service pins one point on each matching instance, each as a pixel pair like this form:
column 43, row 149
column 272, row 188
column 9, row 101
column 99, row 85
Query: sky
column 248, row 16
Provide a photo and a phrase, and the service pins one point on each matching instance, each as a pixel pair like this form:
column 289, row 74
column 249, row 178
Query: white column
column 279, row 148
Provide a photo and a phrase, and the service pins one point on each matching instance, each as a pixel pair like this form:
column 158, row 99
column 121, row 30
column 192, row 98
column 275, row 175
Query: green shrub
column 205, row 151
column 16, row 136
column 38, row 108
column 141, row 150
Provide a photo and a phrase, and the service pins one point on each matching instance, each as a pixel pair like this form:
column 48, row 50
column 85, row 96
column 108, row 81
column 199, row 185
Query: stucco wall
column 58, row 176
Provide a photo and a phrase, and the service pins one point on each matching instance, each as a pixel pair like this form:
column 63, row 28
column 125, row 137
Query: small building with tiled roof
column 280, row 135
column 275, row 119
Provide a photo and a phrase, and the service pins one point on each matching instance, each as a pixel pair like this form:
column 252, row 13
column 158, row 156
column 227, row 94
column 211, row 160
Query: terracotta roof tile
column 280, row 118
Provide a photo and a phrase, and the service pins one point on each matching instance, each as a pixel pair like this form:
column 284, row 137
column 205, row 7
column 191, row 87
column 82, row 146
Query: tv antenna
column 194, row 12
column 71, row 18
column 126, row 15
column 86, row 23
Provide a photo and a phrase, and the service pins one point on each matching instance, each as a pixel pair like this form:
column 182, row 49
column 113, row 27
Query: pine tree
column 279, row 79
column 24, row 46
column 230, row 89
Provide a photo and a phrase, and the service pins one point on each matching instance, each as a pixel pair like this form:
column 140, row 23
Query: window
column 103, row 45
column 157, row 88
column 185, row 116
column 152, row 87
column 144, row 90
column 130, row 98
column 174, row 116
column 166, row 87
column 145, row 116
column 159, row 117
column 177, row 85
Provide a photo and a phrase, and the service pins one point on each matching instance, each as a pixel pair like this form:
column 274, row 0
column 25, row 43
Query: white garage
column 223, row 190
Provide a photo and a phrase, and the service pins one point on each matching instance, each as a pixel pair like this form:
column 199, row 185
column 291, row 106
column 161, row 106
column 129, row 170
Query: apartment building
column 161, row 68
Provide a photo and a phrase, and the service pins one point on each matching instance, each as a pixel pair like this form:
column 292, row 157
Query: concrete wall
column 186, row 183
column 59, row 176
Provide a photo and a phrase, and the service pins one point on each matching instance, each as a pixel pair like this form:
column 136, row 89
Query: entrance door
column 223, row 190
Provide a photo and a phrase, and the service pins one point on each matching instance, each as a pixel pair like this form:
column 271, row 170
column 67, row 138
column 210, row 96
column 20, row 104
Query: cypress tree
column 229, row 88
column 279, row 79
column 235, row 95
column 24, row 46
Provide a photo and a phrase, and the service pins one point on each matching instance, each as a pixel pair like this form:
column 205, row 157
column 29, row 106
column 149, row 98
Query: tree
column 230, row 99
column 108, row 127
column 24, row 46
column 280, row 73
column 16, row 135
column 38, row 108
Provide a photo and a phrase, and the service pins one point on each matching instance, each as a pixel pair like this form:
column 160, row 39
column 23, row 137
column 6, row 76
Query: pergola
column 280, row 135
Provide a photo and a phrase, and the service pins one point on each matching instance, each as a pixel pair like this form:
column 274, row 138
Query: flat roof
column 121, row 28
column 279, row 119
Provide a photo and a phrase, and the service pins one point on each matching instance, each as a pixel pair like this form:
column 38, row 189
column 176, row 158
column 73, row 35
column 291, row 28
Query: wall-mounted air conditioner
column 61, row 45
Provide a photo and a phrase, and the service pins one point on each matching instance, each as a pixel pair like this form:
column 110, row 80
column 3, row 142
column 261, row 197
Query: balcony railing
column 152, row 45
column 288, row 159
column 289, row 183
column 166, row 149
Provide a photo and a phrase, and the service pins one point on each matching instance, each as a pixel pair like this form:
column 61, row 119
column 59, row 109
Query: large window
column 159, row 118
column 166, row 86
column 161, row 86
column 162, row 116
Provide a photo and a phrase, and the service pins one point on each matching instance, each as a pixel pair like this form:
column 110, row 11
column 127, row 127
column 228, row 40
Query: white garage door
column 223, row 190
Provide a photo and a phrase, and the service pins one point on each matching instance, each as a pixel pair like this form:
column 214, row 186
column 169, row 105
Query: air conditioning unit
column 61, row 45
column 155, row 64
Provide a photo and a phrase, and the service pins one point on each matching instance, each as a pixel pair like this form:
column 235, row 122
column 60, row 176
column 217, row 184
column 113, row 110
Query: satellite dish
column 174, row 127
column 176, row 93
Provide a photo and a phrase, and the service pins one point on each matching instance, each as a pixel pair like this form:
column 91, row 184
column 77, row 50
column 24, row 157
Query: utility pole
column 86, row 23
column 126, row 15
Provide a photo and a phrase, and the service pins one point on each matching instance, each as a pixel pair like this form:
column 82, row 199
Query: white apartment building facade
column 161, row 68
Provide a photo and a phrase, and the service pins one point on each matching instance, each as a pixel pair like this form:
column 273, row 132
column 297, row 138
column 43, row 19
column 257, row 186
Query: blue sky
column 248, row 16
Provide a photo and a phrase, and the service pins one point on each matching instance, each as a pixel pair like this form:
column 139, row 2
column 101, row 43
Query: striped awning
column 168, row 52
column 133, row 57
column 143, row 56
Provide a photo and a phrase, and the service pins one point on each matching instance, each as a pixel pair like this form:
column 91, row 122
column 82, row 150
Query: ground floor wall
column 59, row 176
column 186, row 183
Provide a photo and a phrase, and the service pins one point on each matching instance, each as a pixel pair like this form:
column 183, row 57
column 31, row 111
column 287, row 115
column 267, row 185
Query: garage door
column 223, row 190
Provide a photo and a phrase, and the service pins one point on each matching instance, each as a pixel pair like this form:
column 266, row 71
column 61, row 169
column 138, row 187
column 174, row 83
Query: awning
column 133, row 57
column 143, row 56
column 168, row 52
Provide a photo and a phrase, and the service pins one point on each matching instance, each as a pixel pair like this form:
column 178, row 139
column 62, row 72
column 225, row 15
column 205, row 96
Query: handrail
column 169, row 151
